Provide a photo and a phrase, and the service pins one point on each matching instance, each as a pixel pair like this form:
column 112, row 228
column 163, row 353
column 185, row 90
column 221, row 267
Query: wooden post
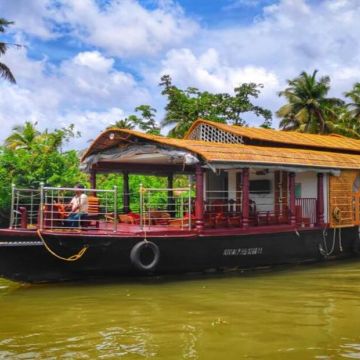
column 170, row 195
column 126, row 193
column 320, row 200
column 245, row 197
column 93, row 180
column 199, row 200
column 277, row 184
column 292, row 198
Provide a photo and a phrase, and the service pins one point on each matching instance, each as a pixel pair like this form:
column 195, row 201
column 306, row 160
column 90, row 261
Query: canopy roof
column 290, row 138
column 226, row 153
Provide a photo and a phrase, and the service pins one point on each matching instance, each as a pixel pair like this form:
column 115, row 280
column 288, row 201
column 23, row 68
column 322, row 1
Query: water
column 308, row 312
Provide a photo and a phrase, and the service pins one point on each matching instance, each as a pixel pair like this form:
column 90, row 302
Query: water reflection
column 300, row 313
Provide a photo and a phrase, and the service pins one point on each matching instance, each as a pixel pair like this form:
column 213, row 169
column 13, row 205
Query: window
column 298, row 190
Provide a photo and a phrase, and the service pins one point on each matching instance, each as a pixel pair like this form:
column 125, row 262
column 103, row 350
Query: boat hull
column 24, row 258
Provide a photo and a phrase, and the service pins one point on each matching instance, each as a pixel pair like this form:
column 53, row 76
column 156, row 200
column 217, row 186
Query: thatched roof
column 331, row 142
column 229, row 153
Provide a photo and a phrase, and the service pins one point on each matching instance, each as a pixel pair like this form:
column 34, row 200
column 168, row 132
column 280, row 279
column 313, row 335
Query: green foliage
column 127, row 123
column 30, row 157
column 353, row 117
column 309, row 110
column 186, row 106
column 146, row 121
column 5, row 72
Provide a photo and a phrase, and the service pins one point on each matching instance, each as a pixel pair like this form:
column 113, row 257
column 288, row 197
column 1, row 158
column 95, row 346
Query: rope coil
column 74, row 257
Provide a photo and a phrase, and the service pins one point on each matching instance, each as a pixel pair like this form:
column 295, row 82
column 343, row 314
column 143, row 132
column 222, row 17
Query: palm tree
column 308, row 109
column 23, row 136
column 5, row 72
column 354, row 106
column 127, row 123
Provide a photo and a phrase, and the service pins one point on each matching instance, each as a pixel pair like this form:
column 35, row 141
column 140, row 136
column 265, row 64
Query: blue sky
column 91, row 62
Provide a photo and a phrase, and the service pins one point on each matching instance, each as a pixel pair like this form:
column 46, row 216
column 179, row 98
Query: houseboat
column 252, row 197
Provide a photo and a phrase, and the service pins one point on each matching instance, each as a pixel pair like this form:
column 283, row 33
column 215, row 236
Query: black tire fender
column 135, row 255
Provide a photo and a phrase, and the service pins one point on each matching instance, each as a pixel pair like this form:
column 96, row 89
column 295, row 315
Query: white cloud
column 125, row 28
column 209, row 71
column 80, row 91
column 94, row 60
column 31, row 17
column 122, row 28
column 290, row 36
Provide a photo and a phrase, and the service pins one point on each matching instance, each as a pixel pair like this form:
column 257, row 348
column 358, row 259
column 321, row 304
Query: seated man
column 79, row 207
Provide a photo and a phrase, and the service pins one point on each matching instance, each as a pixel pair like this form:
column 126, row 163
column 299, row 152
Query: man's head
column 79, row 189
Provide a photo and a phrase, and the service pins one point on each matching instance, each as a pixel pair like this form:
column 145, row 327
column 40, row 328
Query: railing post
column 292, row 198
column 126, row 193
column 245, row 197
column 115, row 208
column 199, row 201
column 320, row 200
column 170, row 194
column 141, row 191
column 12, row 206
column 189, row 206
column 41, row 206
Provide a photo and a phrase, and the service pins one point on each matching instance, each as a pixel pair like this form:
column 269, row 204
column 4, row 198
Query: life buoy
column 337, row 214
column 147, row 250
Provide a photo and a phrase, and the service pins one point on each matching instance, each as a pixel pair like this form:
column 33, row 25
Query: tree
column 147, row 120
column 5, row 72
column 354, row 105
column 27, row 136
column 30, row 157
column 126, row 123
column 308, row 108
column 186, row 106
column 23, row 136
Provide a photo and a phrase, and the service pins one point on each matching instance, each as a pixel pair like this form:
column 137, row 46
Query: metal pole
column 141, row 206
column 189, row 207
column 41, row 205
column 115, row 208
column 31, row 208
column 12, row 206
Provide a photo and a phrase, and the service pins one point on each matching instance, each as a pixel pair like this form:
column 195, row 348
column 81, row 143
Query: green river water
column 306, row 312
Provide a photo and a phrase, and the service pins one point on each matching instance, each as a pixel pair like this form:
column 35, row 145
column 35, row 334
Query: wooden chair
column 217, row 214
column 93, row 216
column 234, row 216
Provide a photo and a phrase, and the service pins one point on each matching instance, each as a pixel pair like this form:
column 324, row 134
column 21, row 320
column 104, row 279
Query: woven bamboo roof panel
column 334, row 141
column 229, row 153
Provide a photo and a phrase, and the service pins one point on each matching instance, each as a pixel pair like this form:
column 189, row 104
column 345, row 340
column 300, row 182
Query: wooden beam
column 245, row 196
column 320, row 200
column 292, row 198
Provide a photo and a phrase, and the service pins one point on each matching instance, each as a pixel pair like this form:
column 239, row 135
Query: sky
column 91, row 62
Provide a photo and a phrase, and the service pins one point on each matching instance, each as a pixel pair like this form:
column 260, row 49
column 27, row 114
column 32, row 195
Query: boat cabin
column 238, row 179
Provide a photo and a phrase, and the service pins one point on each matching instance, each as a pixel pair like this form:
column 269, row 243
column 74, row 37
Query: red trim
column 199, row 200
column 292, row 198
column 136, row 232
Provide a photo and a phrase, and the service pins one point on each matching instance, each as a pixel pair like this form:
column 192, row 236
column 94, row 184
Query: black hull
column 24, row 258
